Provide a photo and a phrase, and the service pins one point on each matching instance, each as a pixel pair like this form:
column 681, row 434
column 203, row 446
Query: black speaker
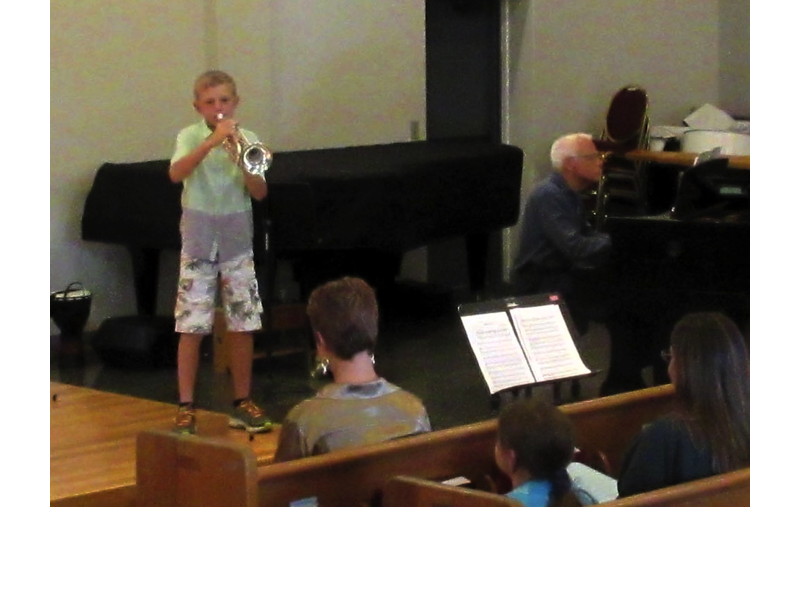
column 137, row 341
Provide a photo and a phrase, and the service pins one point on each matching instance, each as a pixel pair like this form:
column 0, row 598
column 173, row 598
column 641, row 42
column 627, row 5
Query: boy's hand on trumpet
column 224, row 129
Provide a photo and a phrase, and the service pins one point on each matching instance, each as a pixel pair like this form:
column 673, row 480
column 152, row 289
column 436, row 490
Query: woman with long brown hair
column 709, row 432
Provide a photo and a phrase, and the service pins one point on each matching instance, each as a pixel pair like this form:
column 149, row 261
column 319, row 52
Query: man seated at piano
column 558, row 250
column 216, row 242
column 359, row 407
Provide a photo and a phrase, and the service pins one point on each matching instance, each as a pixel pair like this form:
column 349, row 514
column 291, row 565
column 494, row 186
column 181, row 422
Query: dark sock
column 185, row 404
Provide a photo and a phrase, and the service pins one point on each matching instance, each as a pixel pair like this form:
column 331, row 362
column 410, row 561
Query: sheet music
column 497, row 351
column 547, row 342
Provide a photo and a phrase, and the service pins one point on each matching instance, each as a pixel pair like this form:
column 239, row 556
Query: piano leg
column 145, row 263
column 477, row 259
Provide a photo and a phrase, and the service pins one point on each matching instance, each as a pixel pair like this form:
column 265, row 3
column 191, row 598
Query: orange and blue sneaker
column 248, row 415
column 185, row 420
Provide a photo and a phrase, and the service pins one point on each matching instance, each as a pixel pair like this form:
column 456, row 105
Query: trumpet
column 253, row 157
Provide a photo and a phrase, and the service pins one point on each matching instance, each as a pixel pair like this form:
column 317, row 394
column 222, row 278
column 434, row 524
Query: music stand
column 523, row 342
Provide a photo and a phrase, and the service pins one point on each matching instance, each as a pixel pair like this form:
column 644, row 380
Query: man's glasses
column 592, row 156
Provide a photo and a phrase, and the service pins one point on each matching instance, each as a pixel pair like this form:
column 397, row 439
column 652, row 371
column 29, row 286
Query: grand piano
column 354, row 209
column 686, row 249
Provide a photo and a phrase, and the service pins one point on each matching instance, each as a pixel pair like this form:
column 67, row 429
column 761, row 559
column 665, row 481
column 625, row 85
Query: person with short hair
column 535, row 443
column 359, row 407
column 558, row 251
column 216, row 244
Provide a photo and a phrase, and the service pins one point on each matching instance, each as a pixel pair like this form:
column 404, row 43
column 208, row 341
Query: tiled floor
column 427, row 354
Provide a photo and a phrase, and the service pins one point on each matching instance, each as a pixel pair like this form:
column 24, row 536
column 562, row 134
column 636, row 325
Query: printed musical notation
column 547, row 342
column 500, row 357
column 523, row 345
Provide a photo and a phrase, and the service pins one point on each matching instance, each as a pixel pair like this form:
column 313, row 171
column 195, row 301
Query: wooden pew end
column 175, row 469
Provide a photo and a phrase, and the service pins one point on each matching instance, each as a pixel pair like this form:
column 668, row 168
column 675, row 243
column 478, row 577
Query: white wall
column 311, row 73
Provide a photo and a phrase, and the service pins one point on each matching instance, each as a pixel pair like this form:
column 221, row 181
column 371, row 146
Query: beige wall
column 566, row 60
column 734, row 57
column 317, row 73
column 117, row 94
column 311, row 73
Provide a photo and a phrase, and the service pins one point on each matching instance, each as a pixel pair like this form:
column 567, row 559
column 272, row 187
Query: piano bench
column 285, row 320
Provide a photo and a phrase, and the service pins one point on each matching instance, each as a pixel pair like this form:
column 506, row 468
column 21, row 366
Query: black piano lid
column 133, row 204
column 712, row 190
column 389, row 196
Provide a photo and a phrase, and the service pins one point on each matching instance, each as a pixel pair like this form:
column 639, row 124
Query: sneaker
column 250, row 417
column 185, row 420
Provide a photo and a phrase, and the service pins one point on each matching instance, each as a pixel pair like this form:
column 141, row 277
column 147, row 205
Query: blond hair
column 212, row 79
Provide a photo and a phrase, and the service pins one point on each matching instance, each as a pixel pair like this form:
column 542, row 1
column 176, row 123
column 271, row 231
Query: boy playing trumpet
column 216, row 242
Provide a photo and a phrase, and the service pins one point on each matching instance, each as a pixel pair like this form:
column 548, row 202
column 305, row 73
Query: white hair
column 564, row 147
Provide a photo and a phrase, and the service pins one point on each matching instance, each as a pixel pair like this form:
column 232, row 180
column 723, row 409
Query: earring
column 372, row 358
column 321, row 369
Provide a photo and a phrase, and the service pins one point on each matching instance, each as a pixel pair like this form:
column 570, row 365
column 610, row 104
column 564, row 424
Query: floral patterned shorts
column 197, row 294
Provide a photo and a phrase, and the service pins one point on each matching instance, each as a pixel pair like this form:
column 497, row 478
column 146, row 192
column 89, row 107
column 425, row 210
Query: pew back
column 413, row 491
column 608, row 425
column 357, row 476
column 728, row 489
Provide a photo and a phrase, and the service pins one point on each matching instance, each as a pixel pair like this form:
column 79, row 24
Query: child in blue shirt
column 534, row 445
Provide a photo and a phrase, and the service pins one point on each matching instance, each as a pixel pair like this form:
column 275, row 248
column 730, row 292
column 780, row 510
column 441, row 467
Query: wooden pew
column 187, row 470
column 403, row 490
column 608, row 425
column 728, row 489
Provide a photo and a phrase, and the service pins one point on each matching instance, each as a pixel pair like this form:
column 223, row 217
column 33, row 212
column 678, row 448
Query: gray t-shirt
column 346, row 415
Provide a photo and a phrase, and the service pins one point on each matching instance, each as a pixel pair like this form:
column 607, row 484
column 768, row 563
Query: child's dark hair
column 345, row 313
column 542, row 439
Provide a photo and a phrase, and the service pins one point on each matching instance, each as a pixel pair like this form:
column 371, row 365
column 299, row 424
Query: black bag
column 69, row 309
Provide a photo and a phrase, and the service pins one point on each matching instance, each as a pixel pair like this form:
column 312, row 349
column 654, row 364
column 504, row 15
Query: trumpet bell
column 256, row 158
column 253, row 157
